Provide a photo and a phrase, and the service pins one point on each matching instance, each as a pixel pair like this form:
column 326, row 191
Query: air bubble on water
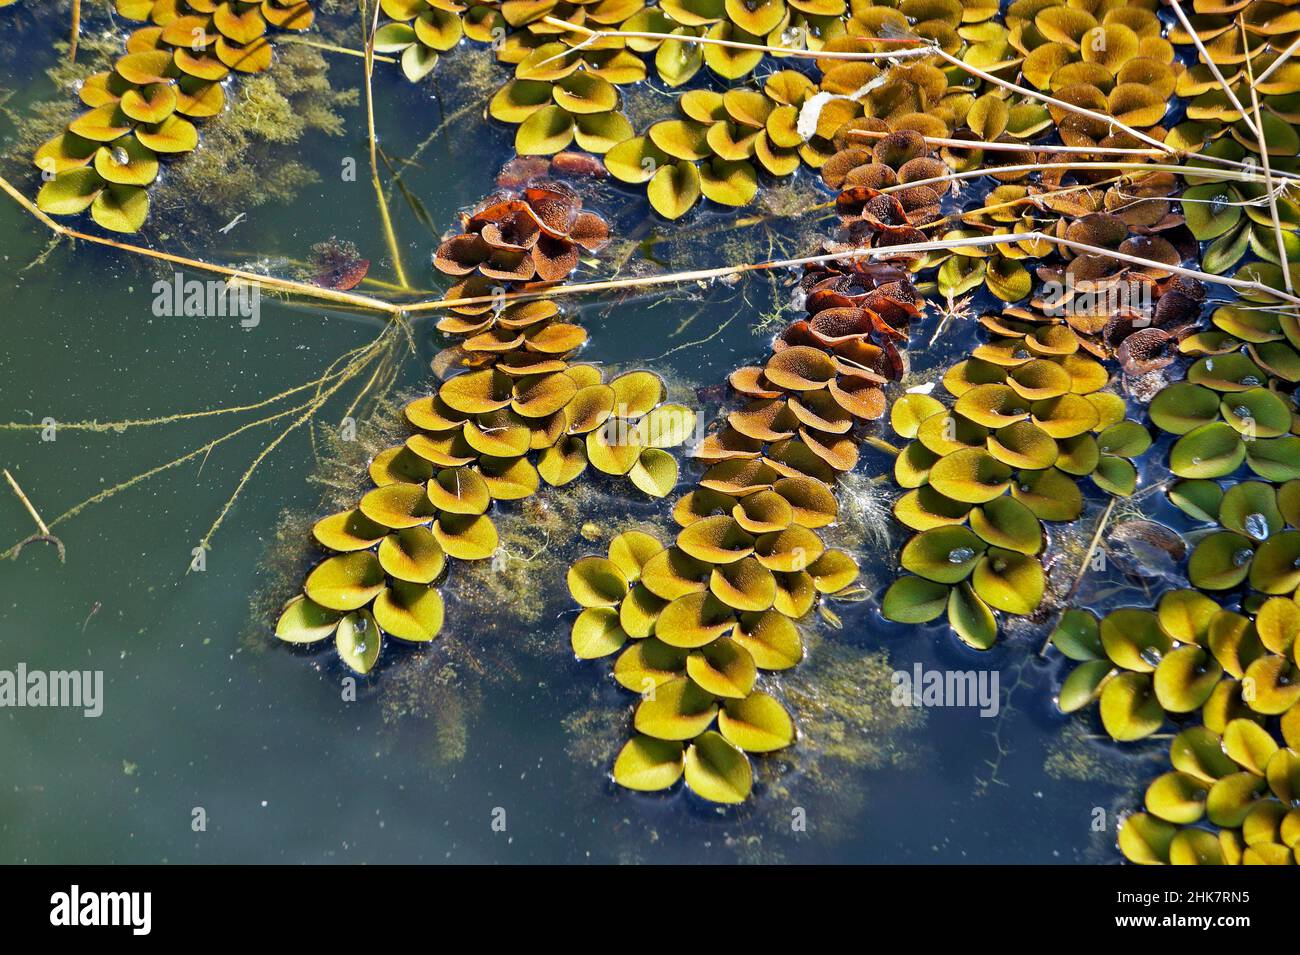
column 959, row 555
column 1242, row 557
column 1256, row 525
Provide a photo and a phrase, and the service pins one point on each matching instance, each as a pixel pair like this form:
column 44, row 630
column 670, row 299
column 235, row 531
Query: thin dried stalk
column 701, row 275
column 332, row 48
column 1102, row 523
column 1286, row 55
column 1012, row 203
column 76, row 31
column 1205, row 58
column 364, row 302
column 1235, row 175
column 390, row 235
column 924, row 49
column 1263, row 155
column 31, row 508
column 1019, row 147
column 1052, row 100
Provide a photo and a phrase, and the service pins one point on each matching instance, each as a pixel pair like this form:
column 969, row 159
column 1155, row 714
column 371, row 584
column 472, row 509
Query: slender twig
column 1102, row 523
column 1084, row 150
column 1286, row 55
column 390, row 235
column 1110, row 121
column 31, row 508
column 1264, row 160
column 76, row 31
column 987, row 145
column 1209, row 61
column 266, row 281
column 890, row 251
column 579, row 288
column 1236, row 175
column 1033, row 199
column 925, row 48
column 333, row 48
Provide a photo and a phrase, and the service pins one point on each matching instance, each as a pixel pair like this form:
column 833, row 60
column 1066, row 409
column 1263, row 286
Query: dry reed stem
column 857, row 253
column 390, row 236
column 31, row 508
column 925, row 48
column 1264, row 160
column 1020, row 147
column 1286, row 55
column 578, row 288
column 1102, row 523
column 332, row 48
column 1205, row 58
column 76, row 31
column 267, row 281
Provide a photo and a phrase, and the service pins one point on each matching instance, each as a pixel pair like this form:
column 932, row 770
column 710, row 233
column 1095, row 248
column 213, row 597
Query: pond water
column 203, row 710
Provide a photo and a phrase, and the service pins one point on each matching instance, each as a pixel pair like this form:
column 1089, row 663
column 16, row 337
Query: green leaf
column 674, row 189
column 70, row 192
column 305, row 621
column 648, row 765
column 546, row 131
column 718, row 771
column 418, row 61
column 756, row 724
column 358, row 640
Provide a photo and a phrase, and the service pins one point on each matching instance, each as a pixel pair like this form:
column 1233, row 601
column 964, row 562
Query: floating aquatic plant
column 1242, row 779
column 515, row 411
column 421, row 30
column 1029, row 419
column 1238, row 771
column 696, row 622
column 699, row 620
column 535, row 234
column 717, row 146
column 142, row 111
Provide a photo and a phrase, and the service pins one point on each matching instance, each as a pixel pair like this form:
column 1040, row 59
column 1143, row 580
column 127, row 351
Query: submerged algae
column 242, row 162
